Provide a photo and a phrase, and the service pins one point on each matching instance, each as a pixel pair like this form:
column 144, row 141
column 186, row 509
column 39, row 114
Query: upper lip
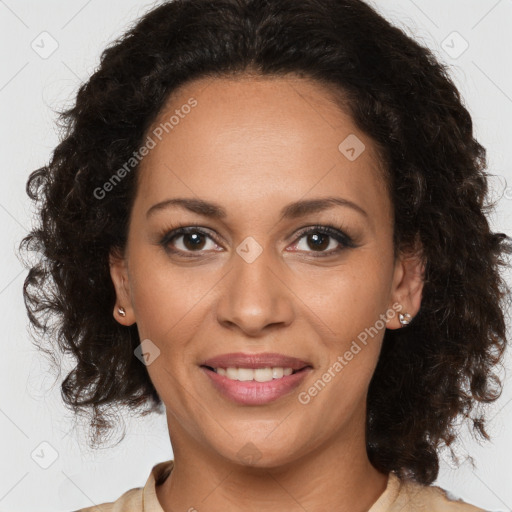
column 264, row 360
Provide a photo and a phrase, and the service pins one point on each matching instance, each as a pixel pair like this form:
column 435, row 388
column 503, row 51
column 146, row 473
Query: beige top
column 397, row 497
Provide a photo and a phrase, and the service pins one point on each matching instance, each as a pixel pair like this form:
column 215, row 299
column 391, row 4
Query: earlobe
column 407, row 287
column 123, row 311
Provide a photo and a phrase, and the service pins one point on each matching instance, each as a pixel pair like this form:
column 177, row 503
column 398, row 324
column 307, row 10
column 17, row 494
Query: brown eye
column 323, row 240
column 193, row 241
column 188, row 240
column 317, row 241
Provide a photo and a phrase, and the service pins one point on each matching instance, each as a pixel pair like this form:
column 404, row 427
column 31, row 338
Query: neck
column 338, row 477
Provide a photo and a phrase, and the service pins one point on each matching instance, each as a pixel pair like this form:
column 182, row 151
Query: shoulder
column 415, row 497
column 130, row 501
column 138, row 498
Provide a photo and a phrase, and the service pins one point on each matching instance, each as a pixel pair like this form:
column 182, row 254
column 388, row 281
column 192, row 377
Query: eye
column 187, row 240
column 324, row 240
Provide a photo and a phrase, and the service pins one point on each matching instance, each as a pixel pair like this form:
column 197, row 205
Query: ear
column 408, row 280
column 119, row 275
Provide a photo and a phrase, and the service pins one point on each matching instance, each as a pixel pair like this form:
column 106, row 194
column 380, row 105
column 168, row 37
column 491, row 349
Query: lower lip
column 256, row 393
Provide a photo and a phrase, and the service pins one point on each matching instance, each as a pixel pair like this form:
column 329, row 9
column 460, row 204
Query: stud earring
column 405, row 319
column 121, row 311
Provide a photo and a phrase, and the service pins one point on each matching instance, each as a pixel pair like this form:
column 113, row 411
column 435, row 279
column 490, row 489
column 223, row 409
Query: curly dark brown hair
column 439, row 369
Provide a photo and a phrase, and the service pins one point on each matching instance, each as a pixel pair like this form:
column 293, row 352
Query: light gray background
column 31, row 87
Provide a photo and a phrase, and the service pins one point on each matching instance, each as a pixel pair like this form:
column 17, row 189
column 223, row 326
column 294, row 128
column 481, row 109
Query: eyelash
column 343, row 239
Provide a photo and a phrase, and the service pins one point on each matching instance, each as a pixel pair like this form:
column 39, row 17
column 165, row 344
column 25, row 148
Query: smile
column 241, row 385
column 256, row 374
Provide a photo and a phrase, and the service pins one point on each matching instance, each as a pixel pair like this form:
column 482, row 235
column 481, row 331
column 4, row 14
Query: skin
column 253, row 145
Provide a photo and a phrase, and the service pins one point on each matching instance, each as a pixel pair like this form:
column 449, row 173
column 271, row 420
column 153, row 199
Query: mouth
column 255, row 379
column 265, row 374
column 263, row 367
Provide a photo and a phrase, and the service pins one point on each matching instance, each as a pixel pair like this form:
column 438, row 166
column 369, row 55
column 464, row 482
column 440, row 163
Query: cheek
column 351, row 306
column 346, row 298
column 161, row 294
column 351, row 296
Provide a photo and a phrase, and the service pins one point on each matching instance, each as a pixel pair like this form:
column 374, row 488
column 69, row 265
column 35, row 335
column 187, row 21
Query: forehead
column 258, row 138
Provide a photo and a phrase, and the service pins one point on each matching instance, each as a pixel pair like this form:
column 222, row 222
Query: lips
column 252, row 392
column 264, row 360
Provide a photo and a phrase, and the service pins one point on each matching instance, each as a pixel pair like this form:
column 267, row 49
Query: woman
column 268, row 216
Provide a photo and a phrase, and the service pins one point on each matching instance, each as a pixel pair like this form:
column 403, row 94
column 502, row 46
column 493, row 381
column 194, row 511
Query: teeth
column 277, row 373
column 258, row 374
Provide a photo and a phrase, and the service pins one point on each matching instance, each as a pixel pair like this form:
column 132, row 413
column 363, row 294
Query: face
column 282, row 246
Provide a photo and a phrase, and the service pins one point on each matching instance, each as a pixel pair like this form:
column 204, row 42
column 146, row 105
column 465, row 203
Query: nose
column 255, row 298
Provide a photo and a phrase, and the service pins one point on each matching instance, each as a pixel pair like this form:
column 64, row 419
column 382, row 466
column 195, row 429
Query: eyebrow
column 291, row 211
